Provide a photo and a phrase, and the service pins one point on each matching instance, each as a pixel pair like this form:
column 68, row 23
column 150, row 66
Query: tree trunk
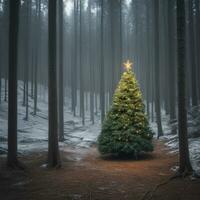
column 6, row 87
column 53, row 148
column 0, row 81
column 197, row 44
column 12, row 93
column 26, row 49
column 171, row 49
column 91, row 67
column 184, row 161
column 75, row 59
column 61, row 107
column 157, row 69
column 38, row 31
column 82, row 102
column 192, row 55
column 102, row 84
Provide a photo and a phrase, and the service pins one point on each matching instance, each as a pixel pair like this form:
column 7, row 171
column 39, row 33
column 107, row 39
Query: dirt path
column 86, row 176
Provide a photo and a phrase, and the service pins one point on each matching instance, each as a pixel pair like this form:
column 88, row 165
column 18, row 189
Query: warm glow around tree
column 125, row 130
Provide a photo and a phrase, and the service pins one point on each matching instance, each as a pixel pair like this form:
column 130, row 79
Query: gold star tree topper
column 128, row 65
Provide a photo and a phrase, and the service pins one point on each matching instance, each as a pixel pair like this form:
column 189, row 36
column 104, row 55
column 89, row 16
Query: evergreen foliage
column 125, row 130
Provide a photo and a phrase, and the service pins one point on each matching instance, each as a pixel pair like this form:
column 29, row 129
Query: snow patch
column 33, row 133
column 170, row 137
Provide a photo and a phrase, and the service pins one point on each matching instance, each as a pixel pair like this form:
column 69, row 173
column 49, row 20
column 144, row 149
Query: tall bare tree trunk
column 171, row 49
column 74, row 66
column 12, row 160
column 61, row 96
column 91, row 66
column 102, row 84
column 26, row 53
column 184, row 161
column 82, row 99
column 53, row 149
column 157, row 69
column 37, row 55
column 193, row 63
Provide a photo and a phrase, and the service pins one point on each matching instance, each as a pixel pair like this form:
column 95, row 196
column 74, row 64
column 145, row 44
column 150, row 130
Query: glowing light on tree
column 128, row 65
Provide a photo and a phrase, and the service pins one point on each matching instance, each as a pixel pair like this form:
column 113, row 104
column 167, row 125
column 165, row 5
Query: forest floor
column 86, row 176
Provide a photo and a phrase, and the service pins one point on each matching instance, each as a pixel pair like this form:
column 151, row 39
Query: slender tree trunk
column 5, row 14
column 61, row 106
column 27, row 99
column 91, row 67
column 192, row 54
column 26, row 49
column 171, row 40
column 1, row 63
column 120, row 38
column 75, row 59
column 6, row 86
column 102, row 84
column 82, row 102
column 32, row 73
column 197, row 46
column 37, row 55
column 147, row 73
column 12, row 93
column 157, row 69
column 35, row 85
column 113, row 44
column 53, row 148
column 24, row 89
column 184, row 161
column 0, row 82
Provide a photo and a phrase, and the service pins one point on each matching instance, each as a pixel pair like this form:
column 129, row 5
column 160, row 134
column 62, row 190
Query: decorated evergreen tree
column 125, row 130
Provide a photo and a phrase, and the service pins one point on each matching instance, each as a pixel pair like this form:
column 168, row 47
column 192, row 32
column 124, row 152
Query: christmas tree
column 125, row 130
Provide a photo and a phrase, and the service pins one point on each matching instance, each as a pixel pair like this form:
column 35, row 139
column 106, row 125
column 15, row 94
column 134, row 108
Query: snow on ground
column 171, row 135
column 33, row 134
